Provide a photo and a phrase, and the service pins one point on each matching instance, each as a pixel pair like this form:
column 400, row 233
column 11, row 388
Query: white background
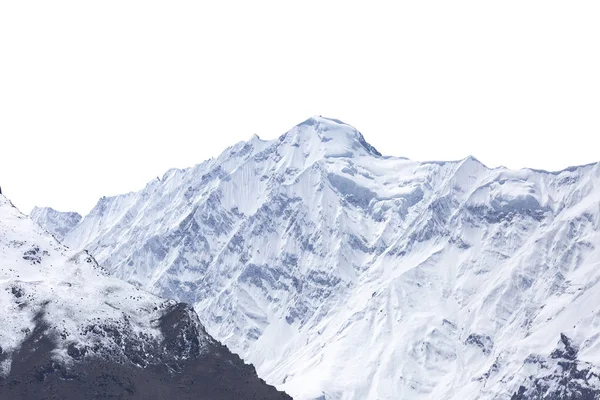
column 97, row 98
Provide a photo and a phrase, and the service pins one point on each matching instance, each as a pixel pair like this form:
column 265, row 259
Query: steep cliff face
column 69, row 330
column 341, row 273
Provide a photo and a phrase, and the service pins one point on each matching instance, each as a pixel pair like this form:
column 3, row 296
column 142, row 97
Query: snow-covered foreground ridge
column 344, row 274
column 69, row 330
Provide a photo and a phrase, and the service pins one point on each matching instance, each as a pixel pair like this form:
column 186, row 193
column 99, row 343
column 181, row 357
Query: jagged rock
column 561, row 377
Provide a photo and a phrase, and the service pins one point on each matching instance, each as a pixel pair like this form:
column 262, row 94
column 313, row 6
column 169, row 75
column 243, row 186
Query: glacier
column 341, row 273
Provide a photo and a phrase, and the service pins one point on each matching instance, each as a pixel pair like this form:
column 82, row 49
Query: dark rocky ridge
column 562, row 376
column 180, row 367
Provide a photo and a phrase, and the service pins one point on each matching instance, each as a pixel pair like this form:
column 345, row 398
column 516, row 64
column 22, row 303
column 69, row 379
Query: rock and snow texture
column 69, row 330
column 343, row 274
column 57, row 223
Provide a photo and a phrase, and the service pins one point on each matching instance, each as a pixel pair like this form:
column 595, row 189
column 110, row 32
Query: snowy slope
column 344, row 274
column 69, row 330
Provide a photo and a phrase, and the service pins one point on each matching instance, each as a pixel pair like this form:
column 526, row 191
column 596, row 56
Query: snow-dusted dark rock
column 69, row 330
column 562, row 376
column 342, row 273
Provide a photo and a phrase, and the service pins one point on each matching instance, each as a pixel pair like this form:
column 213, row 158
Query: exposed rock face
column 69, row 330
column 341, row 273
column 560, row 377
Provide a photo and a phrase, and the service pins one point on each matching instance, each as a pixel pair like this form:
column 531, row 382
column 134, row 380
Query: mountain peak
column 337, row 138
column 302, row 250
column 255, row 138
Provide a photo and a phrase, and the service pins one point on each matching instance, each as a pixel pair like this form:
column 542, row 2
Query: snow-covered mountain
column 68, row 330
column 57, row 223
column 344, row 274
